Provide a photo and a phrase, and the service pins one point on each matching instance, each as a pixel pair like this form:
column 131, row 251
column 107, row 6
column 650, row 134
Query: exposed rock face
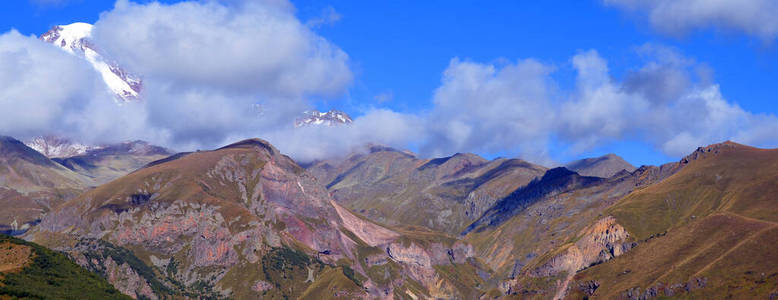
column 601, row 242
column 132, row 283
column 604, row 166
column 371, row 233
column 713, row 150
column 117, row 265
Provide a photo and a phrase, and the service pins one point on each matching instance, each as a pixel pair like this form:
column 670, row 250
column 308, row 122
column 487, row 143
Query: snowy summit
column 330, row 118
column 75, row 39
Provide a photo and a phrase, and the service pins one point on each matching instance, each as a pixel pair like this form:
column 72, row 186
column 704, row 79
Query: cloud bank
column 215, row 72
column 677, row 17
column 44, row 90
column 670, row 102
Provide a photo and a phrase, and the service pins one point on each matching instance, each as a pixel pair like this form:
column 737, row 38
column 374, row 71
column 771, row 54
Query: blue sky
column 398, row 51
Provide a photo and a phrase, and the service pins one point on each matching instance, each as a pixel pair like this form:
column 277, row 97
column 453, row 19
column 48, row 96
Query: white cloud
column 328, row 16
column 667, row 102
column 599, row 109
column 677, row 17
column 213, row 72
column 43, row 89
column 209, row 65
column 491, row 108
column 670, row 102
column 376, row 126
column 252, row 48
column 384, row 97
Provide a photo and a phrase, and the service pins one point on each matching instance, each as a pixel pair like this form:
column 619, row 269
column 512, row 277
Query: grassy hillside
column 720, row 178
column 30, row 271
column 708, row 231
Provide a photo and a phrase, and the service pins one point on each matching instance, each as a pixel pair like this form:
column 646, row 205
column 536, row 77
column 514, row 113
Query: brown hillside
column 709, row 231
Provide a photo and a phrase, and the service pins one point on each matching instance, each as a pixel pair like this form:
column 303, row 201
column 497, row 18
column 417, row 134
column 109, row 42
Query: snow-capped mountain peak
column 76, row 39
column 57, row 147
column 330, row 118
column 72, row 38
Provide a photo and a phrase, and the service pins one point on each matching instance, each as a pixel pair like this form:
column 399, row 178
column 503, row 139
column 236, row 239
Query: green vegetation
column 51, row 275
column 349, row 273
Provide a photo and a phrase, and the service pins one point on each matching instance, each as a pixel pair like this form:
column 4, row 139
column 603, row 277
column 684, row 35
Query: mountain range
column 245, row 221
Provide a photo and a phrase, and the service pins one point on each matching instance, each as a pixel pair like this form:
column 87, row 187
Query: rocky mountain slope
column 31, row 184
column 107, row 162
column 397, row 188
column 699, row 228
column 76, row 39
column 604, row 166
column 245, row 221
column 57, row 147
column 706, row 232
column 542, row 233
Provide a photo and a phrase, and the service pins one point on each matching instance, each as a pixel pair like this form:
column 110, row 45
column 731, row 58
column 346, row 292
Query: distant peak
column 11, row 147
column 78, row 29
column 72, row 38
column 53, row 146
column 470, row 157
column 330, row 118
column 252, row 143
column 604, row 166
column 76, row 39
column 714, row 149
column 730, row 144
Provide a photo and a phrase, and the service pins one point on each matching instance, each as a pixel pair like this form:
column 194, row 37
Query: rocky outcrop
column 117, row 265
column 665, row 290
column 127, row 281
column 368, row 232
column 599, row 243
